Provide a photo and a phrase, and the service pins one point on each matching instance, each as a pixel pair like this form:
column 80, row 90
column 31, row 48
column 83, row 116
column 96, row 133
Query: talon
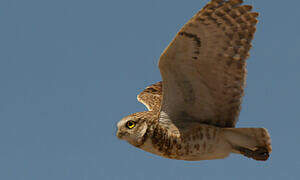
column 261, row 154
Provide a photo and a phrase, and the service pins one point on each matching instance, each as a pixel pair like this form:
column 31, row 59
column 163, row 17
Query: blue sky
column 71, row 69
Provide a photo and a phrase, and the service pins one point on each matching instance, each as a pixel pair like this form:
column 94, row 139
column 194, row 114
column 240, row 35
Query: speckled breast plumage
column 195, row 142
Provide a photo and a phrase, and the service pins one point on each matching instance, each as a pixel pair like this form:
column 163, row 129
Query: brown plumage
column 193, row 111
column 151, row 97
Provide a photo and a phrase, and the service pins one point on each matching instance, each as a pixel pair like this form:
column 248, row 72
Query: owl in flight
column 194, row 109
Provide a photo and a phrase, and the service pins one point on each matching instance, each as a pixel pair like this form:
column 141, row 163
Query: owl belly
column 199, row 142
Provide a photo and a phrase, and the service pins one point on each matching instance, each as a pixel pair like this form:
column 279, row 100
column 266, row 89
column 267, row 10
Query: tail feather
column 251, row 142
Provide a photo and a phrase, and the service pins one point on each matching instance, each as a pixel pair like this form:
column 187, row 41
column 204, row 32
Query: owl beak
column 119, row 134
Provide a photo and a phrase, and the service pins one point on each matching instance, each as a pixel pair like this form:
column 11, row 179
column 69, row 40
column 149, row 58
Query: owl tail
column 254, row 143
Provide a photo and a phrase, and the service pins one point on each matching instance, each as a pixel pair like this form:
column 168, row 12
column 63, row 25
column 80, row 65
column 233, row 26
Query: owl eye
column 130, row 124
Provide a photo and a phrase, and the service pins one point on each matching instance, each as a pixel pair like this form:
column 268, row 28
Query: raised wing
column 151, row 97
column 204, row 69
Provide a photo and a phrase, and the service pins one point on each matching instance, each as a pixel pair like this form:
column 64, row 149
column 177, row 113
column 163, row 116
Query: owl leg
column 254, row 143
column 260, row 154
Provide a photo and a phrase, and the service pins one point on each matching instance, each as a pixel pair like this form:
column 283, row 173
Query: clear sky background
column 71, row 69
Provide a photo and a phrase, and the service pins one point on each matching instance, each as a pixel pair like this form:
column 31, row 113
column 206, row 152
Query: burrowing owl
column 193, row 111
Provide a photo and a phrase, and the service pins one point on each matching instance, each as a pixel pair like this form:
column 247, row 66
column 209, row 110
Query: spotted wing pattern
column 204, row 68
column 151, row 97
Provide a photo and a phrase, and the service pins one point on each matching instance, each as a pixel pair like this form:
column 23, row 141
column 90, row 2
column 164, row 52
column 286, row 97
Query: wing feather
column 151, row 97
column 204, row 68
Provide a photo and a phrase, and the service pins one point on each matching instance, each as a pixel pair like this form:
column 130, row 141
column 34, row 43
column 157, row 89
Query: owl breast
column 195, row 142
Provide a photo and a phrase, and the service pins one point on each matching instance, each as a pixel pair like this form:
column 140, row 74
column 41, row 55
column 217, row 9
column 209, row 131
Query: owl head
column 132, row 128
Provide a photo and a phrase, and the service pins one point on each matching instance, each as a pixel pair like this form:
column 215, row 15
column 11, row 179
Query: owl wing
column 151, row 97
column 204, row 69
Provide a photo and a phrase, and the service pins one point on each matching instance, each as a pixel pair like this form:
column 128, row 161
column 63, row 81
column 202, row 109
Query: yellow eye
column 130, row 124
